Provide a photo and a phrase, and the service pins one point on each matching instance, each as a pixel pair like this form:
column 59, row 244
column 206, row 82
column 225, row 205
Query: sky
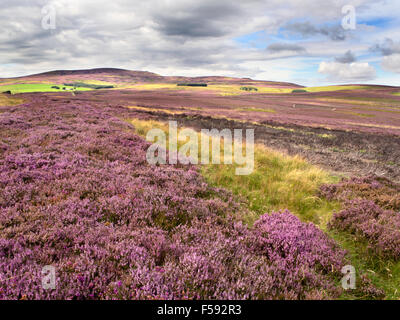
column 309, row 42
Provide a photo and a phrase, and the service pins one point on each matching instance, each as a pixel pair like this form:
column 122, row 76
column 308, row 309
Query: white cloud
column 342, row 72
column 391, row 63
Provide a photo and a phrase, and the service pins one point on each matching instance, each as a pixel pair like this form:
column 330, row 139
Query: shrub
column 192, row 85
column 367, row 221
column 382, row 191
column 249, row 88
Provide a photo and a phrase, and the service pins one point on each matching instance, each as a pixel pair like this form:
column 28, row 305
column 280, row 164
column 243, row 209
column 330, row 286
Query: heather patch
column 381, row 191
column 77, row 193
column 369, row 227
column 367, row 221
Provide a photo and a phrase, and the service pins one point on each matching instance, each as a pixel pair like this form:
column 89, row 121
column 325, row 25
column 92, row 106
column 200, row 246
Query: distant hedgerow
column 249, row 88
column 192, row 84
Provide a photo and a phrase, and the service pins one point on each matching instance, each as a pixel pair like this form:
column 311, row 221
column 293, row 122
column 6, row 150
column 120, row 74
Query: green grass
column 36, row 87
column 384, row 274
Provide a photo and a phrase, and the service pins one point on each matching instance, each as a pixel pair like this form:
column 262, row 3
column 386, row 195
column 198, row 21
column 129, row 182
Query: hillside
column 129, row 76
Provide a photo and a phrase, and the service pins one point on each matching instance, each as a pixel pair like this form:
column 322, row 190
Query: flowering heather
column 368, row 221
column 367, row 290
column 77, row 193
column 382, row 191
column 372, row 206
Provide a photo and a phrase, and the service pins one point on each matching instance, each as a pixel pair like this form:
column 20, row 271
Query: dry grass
column 9, row 101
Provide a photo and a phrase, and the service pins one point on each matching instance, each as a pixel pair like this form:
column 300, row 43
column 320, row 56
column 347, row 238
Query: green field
column 38, row 87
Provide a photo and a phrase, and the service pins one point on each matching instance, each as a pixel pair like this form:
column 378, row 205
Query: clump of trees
column 192, row 84
column 249, row 88
column 299, row 91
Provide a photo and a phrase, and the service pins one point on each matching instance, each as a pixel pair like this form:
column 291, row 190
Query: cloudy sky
column 303, row 41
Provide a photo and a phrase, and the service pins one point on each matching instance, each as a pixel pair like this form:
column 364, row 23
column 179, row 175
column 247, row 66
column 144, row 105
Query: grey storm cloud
column 387, row 48
column 306, row 29
column 390, row 50
column 202, row 20
column 348, row 57
column 281, row 46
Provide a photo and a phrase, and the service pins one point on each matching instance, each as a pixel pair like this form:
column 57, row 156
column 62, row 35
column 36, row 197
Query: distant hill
column 128, row 76
column 102, row 74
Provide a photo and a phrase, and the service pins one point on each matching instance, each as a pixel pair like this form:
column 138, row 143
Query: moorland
column 77, row 193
